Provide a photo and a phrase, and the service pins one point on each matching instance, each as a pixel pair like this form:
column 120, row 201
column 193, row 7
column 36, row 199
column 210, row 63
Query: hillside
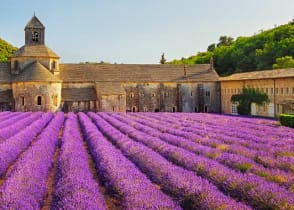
column 269, row 49
column 6, row 50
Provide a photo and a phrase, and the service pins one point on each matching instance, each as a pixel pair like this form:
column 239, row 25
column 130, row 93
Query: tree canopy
column 162, row 59
column 6, row 50
column 247, row 97
column 266, row 50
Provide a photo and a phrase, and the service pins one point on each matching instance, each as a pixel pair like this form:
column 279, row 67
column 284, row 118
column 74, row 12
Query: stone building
column 35, row 80
column 278, row 84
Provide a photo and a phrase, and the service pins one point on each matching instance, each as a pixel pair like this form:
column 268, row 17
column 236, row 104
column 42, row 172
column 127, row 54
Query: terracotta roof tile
column 35, row 51
column 136, row 73
column 6, row 96
column 36, row 72
column 110, row 88
column 267, row 74
column 5, row 76
column 78, row 94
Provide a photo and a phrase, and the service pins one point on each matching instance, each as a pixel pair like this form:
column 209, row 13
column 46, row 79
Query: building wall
column 26, row 96
column 199, row 97
column 112, row 103
column 278, row 90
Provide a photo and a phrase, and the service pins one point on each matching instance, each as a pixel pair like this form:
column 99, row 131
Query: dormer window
column 35, row 36
column 53, row 65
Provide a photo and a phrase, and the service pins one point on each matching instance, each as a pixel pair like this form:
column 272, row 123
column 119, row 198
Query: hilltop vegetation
column 269, row 49
column 6, row 50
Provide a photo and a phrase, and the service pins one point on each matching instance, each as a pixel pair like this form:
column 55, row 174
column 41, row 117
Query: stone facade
column 278, row 84
column 34, row 80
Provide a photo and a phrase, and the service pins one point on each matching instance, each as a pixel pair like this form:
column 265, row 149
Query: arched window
column 134, row 109
column 22, row 100
column 35, row 36
column 39, row 100
column 53, row 65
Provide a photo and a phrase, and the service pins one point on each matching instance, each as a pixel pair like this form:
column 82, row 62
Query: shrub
column 287, row 120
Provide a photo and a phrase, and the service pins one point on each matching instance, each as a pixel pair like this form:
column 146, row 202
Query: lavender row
column 26, row 186
column 13, row 117
column 6, row 115
column 274, row 154
column 198, row 193
column 227, row 143
column 215, row 172
column 137, row 191
column 234, row 161
column 249, row 131
column 12, row 147
column 12, row 129
column 75, row 186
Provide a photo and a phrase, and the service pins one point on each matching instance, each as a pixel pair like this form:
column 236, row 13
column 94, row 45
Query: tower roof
column 35, row 23
column 35, row 51
column 36, row 72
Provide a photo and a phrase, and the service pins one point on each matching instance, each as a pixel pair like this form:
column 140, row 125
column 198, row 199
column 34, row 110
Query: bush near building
column 287, row 120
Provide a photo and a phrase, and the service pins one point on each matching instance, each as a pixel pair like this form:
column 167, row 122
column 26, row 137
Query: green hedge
column 287, row 120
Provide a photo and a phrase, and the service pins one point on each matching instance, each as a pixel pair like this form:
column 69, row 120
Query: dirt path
column 51, row 179
column 113, row 201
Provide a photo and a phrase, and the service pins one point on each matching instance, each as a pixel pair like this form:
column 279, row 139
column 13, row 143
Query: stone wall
column 278, row 90
column 112, row 103
column 36, row 96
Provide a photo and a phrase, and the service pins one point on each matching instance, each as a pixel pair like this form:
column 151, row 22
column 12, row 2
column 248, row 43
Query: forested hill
column 269, row 49
column 6, row 50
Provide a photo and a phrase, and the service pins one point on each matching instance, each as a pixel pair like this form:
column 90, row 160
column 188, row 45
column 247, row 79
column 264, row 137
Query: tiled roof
column 35, row 51
column 36, row 72
column 78, row 94
column 267, row 74
column 35, row 23
column 110, row 88
column 5, row 76
column 6, row 96
column 136, row 73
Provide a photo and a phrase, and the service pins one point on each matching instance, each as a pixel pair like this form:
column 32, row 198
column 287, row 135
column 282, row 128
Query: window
column 272, row 91
column 282, row 91
column 113, row 108
column 134, row 109
column 191, row 93
column 153, row 94
column 234, row 108
column 22, row 100
column 174, row 108
column 293, row 91
column 39, row 100
column 287, row 91
column 35, row 36
column 277, row 91
column 145, row 109
column 266, row 90
column 207, row 93
column 53, row 65
column 55, row 100
column 132, row 95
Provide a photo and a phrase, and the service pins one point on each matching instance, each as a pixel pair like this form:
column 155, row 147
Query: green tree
column 225, row 41
column 211, row 47
column 247, row 97
column 6, row 50
column 162, row 59
column 284, row 62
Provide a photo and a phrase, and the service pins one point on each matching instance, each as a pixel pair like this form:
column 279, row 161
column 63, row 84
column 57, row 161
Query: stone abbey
column 35, row 80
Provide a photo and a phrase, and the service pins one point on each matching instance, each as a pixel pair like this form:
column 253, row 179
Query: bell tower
column 34, row 32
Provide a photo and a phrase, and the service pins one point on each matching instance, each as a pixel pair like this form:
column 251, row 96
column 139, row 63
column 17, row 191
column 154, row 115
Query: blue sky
column 139, row 31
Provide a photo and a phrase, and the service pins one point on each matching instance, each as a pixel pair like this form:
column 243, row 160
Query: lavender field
column 144, row 161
